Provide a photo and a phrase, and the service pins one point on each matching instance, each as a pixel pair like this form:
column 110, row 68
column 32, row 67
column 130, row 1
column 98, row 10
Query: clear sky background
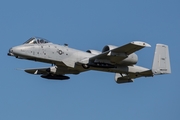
column 89, row 25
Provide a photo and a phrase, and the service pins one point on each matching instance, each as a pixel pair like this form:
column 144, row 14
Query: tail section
column 161, row 63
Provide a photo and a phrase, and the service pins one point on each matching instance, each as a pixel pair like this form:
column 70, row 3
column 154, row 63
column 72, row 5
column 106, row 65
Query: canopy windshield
column 36, row 40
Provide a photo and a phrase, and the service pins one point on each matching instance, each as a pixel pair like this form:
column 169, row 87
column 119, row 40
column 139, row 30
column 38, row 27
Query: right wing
column 118, row 54
column 126, row 49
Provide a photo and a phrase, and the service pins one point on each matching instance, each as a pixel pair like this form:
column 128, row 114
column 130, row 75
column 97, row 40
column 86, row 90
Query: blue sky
column 89, row 25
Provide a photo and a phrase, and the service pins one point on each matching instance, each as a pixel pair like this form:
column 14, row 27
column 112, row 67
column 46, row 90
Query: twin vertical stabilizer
column 161, row 63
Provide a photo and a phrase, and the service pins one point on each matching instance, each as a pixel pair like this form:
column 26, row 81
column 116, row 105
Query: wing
column 122, row 51
column 47, row 73
column 51, row 72
column 37, row 71
column 119, row 53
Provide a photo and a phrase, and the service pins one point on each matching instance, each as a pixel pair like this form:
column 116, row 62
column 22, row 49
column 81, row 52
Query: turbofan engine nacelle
column 132, row 59
column 94, row 52
column 108, row 47
column 52, row 69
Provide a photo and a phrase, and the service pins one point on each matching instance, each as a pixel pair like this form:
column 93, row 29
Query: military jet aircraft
column 119, row 60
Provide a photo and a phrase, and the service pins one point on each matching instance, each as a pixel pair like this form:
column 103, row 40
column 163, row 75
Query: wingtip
column 144, row 44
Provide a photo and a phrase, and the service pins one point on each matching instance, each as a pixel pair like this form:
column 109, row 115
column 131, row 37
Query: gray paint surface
column 120, row 60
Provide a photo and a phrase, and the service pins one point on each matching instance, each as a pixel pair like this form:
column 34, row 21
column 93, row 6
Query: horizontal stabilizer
column 122, row 78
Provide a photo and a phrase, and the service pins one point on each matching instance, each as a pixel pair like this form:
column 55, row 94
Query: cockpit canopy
column 36, row 40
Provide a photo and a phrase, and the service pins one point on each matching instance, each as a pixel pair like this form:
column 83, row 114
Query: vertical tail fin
column 161, row 63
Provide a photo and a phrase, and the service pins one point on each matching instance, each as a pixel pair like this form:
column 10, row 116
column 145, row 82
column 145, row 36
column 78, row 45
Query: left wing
column 49, row 73
column 37, row 71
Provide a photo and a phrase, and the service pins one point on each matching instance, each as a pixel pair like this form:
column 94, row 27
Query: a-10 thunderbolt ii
column 119, row 60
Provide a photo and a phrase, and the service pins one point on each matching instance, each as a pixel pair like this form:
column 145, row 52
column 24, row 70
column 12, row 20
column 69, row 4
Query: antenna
column 65, row 44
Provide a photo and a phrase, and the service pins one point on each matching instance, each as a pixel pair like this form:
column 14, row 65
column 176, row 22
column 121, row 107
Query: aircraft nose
column 14, row 51
column 10, row 52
